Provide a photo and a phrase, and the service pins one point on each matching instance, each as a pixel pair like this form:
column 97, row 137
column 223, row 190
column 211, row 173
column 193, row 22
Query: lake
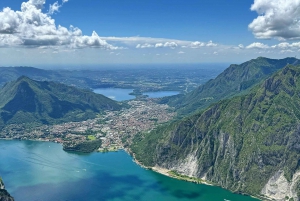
column 159, row 94
column 119, row 94
column 43, row 171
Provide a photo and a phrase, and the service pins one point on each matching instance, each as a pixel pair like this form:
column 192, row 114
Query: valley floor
column 115, row 128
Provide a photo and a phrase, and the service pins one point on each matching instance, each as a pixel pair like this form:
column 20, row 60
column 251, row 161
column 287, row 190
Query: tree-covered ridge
column 28, row 101
column 234, row 80
column 239, row 143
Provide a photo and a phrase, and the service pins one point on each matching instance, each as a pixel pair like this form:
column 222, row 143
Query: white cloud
column 283, row 45
column 148, row 42
column 159, row 45
column 181, row 52
column 197, row 44
column 286, row 45
column 211, row 44
column 170, row 44
column 146, row 45
column 31, row 27
column 142, row 40
column 257, row 46
column 277, row 19
column 54, row 8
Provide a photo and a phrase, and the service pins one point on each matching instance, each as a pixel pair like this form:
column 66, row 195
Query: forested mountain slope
column 248, row 144
column 234, row 80
column 29, row 101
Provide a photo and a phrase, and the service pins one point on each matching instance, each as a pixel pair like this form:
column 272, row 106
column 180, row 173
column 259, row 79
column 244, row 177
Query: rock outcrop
column 279, row 188
column 248, row 144
column 4, row 195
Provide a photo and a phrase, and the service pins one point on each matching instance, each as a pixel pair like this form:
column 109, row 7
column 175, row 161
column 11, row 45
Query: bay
column 43, row 171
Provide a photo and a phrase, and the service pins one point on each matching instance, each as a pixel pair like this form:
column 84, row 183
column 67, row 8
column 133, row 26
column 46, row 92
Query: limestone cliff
column 248, row 144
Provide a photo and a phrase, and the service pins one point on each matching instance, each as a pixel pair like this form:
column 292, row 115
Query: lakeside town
column 113, row 129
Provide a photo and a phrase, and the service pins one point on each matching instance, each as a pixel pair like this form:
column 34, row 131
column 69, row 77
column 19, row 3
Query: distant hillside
column 29, row 101
column 234, row 80
column 8, row 74
column 248, row 144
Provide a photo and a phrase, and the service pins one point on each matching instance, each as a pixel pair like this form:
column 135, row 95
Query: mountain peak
column 26, row 100
column 240, row 143
column 23, row 78
column 232, row 81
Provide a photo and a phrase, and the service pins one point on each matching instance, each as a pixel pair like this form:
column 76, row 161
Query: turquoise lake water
column 123, row 94
column 42, row 171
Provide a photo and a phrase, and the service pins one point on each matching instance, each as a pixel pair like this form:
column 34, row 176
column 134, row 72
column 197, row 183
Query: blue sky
column 92, row 32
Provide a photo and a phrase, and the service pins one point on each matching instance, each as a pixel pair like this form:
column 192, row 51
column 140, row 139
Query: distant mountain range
column 249, row 143
column 8, row 74
column 236, row 79
column 29, row 101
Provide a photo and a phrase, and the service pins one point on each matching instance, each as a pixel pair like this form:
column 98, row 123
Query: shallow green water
column 43, row 171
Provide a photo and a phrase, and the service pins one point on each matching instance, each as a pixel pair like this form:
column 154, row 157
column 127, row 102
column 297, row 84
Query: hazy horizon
column 84, row 33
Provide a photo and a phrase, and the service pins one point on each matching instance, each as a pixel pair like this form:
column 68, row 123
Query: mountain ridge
column 236, row 79
column 245, row 144
column 26, row 100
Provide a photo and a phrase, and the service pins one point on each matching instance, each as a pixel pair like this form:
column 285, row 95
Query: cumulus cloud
column 277, row 19
column 197, row 44
column 148, row 42
column 257, row 46
column 159, row 45
column 211, row 44
column 53, row 8
column 31, row 27
column 146, row 45
column 172, row 45
column 286, row 45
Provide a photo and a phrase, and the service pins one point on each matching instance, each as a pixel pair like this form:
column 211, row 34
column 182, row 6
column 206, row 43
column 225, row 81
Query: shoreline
column 165, row 172
column 157, row 169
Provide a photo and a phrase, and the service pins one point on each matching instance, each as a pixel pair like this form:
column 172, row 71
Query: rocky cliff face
column 279, row 188
column 4, row 195
column 248, row 144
